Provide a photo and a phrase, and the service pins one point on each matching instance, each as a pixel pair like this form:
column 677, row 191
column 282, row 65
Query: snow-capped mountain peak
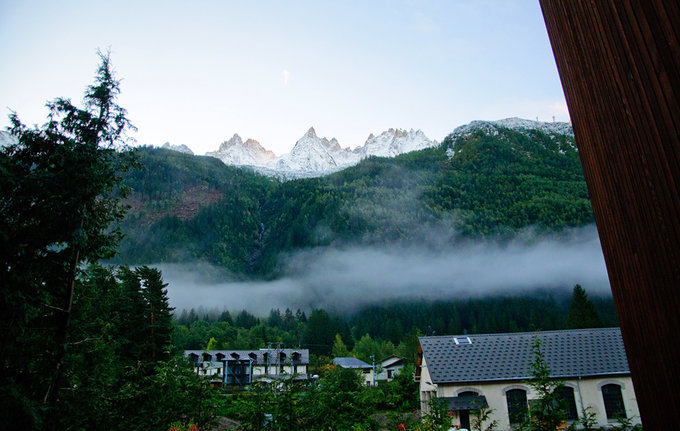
column 236, row 152
column 514, row 123
column 179, row 148
column 314, row 156
column 311, row 133
column 233, row 141
column 394, row 142
column 520, row 125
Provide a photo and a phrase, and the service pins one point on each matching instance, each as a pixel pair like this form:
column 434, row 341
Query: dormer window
column 462, row 340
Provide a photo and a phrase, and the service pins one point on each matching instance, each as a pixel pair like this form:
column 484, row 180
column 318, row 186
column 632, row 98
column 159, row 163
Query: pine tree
column 130, row 321
column 158, row 315
column 225, row 316
column 320, row 333
column 582, row 312
column 548, row 411
column 59, row 192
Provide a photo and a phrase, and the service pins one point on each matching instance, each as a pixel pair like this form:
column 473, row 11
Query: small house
column 359, row 365
column 389, row 367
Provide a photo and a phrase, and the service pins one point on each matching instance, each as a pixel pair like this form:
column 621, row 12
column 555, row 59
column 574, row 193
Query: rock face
column 180, row 148
column 239, row 153
column 313, row 156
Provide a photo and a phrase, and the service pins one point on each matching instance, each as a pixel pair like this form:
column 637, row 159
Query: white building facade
column 242, row 367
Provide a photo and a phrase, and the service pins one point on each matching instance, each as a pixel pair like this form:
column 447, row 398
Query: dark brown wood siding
column 619, row 62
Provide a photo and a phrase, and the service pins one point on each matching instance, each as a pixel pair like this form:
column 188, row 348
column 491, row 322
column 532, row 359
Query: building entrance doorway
column 465, row 419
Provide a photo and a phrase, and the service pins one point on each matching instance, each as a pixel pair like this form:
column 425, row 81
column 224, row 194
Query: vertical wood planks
column 619, row 62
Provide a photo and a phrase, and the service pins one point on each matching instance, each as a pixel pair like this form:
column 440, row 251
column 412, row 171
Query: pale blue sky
column 195, row 73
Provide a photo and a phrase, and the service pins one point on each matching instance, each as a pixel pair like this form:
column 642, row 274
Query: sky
column 195, row 73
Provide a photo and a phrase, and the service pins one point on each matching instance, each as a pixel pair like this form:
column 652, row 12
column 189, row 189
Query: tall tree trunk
column 62, row 332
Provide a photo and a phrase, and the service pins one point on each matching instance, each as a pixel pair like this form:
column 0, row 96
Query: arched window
column 567, row 397
column 517, row 405
column 613, row 401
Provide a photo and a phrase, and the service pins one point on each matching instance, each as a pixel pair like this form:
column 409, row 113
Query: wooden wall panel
column 619, row 62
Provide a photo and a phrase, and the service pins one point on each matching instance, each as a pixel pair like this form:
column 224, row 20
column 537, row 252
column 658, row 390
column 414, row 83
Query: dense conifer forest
column 384, row 330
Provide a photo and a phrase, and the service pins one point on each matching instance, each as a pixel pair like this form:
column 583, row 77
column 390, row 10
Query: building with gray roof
column 492, row 370
column 351, row 362
column 357, row 364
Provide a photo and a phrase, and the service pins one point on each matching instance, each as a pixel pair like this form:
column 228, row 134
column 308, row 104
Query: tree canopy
column 83, row 346
column 582, row 312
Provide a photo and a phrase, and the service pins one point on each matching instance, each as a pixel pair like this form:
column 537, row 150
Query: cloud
column 285, row 75
column 344, row 279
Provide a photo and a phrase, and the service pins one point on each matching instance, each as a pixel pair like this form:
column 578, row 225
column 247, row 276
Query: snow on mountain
column 518, row 124
column 313, row 156
column 180, row 148
column 239, row 153
column 514, row 123
column 393, row 142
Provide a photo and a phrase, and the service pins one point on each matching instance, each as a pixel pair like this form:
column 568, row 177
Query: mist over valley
column 498, row 208
column 346, row 279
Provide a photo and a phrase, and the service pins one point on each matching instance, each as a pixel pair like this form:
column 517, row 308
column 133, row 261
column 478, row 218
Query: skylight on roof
column 462, row 340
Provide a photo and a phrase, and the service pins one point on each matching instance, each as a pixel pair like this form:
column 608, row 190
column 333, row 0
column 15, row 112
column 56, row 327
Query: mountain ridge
column 314, row 156
column 497, row 183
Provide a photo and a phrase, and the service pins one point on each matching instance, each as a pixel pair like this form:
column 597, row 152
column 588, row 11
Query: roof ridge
column 524, row 333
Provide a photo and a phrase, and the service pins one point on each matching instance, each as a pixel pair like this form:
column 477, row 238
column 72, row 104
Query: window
column 462, row 340
column 569, row 402
column 613, row 401
column 517, row 405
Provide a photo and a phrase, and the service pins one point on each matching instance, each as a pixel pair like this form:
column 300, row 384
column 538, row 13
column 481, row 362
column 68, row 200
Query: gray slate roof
column 491, row 357
column 351, row 363
column 258, row 356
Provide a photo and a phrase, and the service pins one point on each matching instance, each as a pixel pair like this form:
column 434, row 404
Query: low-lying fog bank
column 344, row 279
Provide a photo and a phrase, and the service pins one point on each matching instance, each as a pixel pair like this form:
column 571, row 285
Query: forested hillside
column 481, row 184
column 384, row 330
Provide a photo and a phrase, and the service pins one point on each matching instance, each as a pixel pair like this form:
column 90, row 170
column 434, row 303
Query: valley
column 465, row 217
